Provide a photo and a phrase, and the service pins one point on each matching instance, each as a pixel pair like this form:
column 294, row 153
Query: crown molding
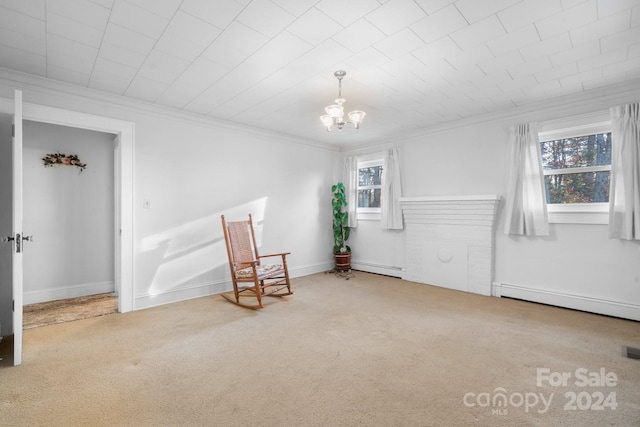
column 588, row 102
column 55, row 88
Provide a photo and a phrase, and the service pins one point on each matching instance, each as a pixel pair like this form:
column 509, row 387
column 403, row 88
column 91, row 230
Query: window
column 577, row 169
column 576, row 162
column 370, row 188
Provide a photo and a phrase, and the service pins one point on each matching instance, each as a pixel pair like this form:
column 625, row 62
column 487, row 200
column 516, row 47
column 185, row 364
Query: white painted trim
column 368, row 215
column 377, row 269
column 563, row 300
column 306, row 270
column 566, row 127
column 579, row 213
column 590, row 102
column 60, row 89
column 80, row 290
column 126, row 132
column 483, row 198
column 579, row 169
column 171, row 296
column 208, row 289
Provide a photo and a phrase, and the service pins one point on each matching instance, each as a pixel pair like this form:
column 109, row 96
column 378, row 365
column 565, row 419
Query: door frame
column 123, row 175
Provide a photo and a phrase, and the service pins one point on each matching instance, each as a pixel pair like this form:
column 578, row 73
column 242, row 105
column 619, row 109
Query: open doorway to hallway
column 70, row 212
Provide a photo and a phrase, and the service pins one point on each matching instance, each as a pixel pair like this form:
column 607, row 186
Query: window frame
column 577, row 213
column 369, row 214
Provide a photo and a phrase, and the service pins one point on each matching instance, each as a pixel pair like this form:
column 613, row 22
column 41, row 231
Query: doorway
column 123, row 184
column 70, row 211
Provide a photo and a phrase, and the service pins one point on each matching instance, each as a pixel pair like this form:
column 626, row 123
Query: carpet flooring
column 67, row 310
column 368, row 351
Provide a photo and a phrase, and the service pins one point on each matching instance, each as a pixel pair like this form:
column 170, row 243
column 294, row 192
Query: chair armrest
column 278, row 254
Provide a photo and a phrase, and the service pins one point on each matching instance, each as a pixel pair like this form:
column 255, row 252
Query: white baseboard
column 577, row 302
column 182, row 294
column 81, row 290
column 307, row 270
column 377, row 268
column 211, row 288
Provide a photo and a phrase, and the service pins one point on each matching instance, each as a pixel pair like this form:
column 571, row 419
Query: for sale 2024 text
column 582, row 377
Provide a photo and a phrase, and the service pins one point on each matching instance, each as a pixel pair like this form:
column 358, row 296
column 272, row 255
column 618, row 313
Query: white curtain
column 350, row 181
column 526, row 204
column 624, row 195
column 391, row 212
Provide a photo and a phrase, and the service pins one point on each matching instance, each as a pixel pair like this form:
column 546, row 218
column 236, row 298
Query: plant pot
column 343, row 261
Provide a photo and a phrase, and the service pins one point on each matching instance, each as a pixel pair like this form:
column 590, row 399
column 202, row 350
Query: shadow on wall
column 186, row 255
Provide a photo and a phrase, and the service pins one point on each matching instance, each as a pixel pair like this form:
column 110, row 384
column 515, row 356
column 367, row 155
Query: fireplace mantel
column 449, row 241
column 433, row 199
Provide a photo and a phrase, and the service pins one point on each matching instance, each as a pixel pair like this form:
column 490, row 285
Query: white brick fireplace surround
column 449, row 241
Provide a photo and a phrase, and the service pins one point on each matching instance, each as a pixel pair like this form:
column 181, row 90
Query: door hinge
column 13, row 131
column 13, row 305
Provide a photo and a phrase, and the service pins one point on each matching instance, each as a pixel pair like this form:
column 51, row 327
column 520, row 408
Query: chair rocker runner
column 247, row 268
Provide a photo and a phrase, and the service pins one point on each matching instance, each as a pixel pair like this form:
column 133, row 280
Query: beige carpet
column 67, row 310
column 369, row 351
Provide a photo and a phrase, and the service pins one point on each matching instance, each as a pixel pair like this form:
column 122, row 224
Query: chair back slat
column 241, row 245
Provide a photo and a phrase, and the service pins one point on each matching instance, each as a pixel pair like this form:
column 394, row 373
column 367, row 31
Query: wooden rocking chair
column 247, row 267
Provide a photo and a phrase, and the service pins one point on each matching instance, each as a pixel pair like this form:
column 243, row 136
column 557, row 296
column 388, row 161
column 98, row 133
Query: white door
column 17, row 229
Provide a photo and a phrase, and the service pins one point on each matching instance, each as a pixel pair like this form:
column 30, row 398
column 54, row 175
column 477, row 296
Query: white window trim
column 369, row 214
column 577, row 213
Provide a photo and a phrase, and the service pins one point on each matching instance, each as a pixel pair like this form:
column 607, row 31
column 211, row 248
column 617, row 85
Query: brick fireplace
column 449, row 241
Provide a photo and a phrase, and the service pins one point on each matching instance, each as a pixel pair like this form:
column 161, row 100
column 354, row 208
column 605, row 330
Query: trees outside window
column 577, row 169
column 370, row 185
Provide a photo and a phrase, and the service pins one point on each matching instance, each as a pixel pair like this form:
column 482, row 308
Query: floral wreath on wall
column 59, row 159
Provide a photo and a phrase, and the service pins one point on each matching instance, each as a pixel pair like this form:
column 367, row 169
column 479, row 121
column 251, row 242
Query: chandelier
column 335, row 112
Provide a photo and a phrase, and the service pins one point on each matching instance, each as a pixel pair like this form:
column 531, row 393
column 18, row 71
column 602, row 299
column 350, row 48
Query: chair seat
column 264, row 271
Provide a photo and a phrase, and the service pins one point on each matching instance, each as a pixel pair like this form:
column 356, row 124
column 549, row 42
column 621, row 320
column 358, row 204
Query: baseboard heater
column 575, row 302
column 384, row 270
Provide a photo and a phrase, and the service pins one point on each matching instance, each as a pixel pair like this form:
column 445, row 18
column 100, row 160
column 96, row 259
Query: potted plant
column 341, row 251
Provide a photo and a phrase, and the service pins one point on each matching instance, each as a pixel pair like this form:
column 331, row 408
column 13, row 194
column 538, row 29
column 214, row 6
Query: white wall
column 192, row 173
column 576, row 266
column 376, row 250
column 191, row 170
column 70, row 214
column 439, row 164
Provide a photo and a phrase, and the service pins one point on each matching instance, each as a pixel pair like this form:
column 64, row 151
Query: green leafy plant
column 340, row 219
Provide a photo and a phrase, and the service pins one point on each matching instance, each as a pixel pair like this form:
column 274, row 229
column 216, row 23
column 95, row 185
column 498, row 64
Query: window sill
column 368, row 216
column 579, row 213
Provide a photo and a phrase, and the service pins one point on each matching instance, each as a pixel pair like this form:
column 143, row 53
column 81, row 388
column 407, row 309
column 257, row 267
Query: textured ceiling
column 411, row 64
